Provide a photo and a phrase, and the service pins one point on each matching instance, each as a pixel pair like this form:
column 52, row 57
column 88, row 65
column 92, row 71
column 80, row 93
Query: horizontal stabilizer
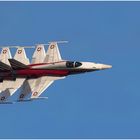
column 4, row 66
column 16, row 65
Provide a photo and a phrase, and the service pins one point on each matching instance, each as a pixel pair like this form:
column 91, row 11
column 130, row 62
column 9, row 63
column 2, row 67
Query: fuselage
column 61, row 68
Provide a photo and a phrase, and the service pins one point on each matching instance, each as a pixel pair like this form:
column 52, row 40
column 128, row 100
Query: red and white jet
column 44, row 70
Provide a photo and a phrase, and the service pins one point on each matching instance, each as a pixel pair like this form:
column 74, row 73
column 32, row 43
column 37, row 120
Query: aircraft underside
column 38, row 73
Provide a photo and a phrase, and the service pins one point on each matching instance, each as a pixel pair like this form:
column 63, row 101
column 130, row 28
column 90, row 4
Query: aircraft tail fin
column 21, row 55
column 16, row 65
column 53, row 54
column 39, row 54
column 5, row 54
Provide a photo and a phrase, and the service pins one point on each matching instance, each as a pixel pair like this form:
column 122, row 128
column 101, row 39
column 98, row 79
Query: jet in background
column 44, row 69
column 9, row 87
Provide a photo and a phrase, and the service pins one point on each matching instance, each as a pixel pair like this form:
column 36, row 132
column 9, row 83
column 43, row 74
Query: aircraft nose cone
column 106, row 66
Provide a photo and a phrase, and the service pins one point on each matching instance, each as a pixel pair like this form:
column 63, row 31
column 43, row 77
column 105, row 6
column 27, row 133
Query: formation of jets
column 35, row 77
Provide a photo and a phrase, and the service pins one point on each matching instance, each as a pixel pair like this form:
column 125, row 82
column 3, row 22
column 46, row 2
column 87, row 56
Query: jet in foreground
column 41, row 73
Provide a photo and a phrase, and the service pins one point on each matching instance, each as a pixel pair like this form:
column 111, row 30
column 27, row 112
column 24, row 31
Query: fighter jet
column 29, row 84
column 9, row 87
column 44, row 70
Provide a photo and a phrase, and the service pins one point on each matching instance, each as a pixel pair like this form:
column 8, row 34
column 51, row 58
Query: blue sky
column 103, row 104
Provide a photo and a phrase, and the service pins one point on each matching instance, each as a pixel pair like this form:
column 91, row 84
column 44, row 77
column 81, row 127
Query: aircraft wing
column 41, row 84
column 39, row 54
column 53, row 54
column 36, row 86
column 26, row 89
column 4, row 95
column 9, row 88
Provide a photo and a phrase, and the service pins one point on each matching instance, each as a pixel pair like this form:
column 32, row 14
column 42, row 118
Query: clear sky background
column 103, row 104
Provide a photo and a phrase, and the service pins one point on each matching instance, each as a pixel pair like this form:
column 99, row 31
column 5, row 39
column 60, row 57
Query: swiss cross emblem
column 4, row 51
column 52, row 46
column 35, row 93
column 19, row 51
column 39, row 49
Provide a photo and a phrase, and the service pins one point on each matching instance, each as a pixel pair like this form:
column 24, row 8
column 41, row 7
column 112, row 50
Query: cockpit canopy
column 72, row 64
